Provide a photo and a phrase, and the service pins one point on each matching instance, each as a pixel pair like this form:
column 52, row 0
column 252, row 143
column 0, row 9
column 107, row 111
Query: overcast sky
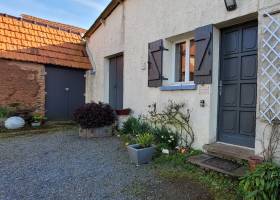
column 81, row 13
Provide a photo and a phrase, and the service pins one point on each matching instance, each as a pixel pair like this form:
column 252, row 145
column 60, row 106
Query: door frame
column 219, row 76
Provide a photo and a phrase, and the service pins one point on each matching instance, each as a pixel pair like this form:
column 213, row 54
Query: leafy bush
column 37, row 117
column 167, row 138
column 134, row 126
column 94, row 115
column 262, row 184
column 4, row 112
column 145, row 140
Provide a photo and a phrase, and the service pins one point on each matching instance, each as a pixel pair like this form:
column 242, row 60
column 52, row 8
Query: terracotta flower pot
column 123, row 111
column 254, row 161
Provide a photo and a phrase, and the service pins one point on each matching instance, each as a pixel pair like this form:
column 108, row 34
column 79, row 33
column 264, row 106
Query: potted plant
column 254, row 161
column 143, row 151
column 37, row 120
column 95, row 120
column 123, row 112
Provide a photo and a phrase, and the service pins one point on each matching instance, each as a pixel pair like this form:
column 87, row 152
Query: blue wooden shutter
column 203, row 54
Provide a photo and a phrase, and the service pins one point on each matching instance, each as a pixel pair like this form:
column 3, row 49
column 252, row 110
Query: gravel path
column 63, row 166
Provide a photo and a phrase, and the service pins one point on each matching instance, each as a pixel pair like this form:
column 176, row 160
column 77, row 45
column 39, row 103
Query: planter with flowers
column 95, row 120
column 37, row 120
column 142, row 152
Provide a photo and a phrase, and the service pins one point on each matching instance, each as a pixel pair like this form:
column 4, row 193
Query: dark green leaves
column 262, row 184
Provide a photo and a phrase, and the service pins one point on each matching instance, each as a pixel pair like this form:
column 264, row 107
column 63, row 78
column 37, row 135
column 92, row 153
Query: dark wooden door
column 65, row 92
column 238, row 85
column 116, row 82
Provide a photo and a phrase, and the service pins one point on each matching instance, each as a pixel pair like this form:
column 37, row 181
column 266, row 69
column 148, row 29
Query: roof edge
column 43, row 24
column 106, row 12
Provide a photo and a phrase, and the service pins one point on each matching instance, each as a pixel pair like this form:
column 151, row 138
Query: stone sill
column 183, row 86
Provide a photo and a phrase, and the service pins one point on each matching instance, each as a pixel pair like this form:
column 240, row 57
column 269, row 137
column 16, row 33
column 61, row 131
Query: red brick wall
column 22, row 82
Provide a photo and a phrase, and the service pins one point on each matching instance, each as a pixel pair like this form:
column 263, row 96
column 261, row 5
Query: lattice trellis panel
column 270, row 70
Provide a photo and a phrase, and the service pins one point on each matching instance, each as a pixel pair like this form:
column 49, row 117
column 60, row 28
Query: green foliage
column 193, row 152
column 145, row 140
column 174, row 160
column 262, row 184
column 128, row 139
column 37, row 117
column 134, row 126
column 4, row 112
column 165, row 137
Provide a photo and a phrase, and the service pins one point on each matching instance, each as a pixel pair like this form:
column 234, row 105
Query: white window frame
column 187, row 61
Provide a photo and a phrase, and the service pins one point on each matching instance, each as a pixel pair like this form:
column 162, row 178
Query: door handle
column 220, row 88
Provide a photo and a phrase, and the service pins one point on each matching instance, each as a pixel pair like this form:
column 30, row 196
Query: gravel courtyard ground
column 63, row 166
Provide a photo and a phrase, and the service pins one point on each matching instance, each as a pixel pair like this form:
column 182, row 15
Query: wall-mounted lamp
column 231, row 5
column 202, row 103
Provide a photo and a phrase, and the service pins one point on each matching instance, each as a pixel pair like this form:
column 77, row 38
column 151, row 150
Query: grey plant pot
column 140, row 156
column 105, row 131
column 36, row 124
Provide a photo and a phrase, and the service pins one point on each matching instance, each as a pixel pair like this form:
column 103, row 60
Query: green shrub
column 134, row 126
column 165, row 137
column 4, row 112
column 94, row 115
column 145, row 140
column 262, row 184
column 128, row 139
column 37, row 117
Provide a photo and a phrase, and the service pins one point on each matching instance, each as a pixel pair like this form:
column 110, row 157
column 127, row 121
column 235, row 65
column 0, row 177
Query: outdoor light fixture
column 230, row 4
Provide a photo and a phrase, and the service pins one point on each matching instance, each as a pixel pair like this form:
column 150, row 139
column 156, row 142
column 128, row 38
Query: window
column 184, row 61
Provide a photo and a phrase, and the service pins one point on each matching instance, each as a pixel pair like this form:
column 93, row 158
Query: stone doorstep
column 219, row 165
column 229, row 152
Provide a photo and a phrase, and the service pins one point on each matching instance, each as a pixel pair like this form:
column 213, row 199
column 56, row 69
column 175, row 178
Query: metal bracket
column 162, row 48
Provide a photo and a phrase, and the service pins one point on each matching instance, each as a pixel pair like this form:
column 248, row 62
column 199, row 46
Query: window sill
column 182, row 86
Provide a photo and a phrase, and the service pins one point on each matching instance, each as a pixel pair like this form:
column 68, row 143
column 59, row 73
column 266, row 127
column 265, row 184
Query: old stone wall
column 23, row 83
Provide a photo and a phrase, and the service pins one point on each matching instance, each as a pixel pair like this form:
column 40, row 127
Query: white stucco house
column 222, row 62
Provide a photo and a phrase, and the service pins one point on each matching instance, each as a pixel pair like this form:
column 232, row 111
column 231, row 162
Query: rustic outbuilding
column 42, row 65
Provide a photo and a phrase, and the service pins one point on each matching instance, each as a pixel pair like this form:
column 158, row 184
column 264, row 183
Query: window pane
column 192, row 59
column 180, row 61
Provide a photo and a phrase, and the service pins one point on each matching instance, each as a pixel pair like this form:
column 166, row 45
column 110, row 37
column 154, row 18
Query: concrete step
column 229, row 152
column 223, row 166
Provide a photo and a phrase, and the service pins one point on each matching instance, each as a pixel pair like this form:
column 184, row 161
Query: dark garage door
column 65, row 92
column 238, row 85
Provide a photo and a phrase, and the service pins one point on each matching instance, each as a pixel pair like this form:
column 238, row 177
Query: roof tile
column 22, row 40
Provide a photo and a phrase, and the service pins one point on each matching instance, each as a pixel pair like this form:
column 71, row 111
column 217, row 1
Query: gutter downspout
column 90, row 55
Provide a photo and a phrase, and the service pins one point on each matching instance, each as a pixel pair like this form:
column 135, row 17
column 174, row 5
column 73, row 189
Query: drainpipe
column 90, row 55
